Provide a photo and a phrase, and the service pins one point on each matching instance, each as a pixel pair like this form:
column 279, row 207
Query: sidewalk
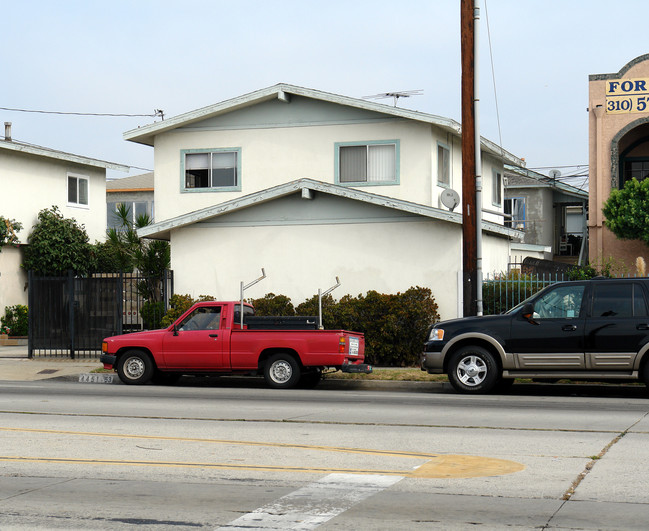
column 16, row 366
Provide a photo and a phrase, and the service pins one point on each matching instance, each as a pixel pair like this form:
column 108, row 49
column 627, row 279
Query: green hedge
column 395, row 326
column 15, row 321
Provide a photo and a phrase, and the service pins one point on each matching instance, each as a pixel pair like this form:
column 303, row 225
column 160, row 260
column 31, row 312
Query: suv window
column 618, row 300
column 560, row 303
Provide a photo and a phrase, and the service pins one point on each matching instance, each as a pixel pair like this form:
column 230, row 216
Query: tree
column 150, row 257
column 627, row 211
column 57, row 244
column 8, row 232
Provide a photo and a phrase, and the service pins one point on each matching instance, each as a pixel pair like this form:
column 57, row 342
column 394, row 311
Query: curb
column 332, row 384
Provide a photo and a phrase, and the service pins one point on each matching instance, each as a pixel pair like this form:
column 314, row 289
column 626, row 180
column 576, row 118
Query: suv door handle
column 214, row 335
column 569, row 328
column 642, row 326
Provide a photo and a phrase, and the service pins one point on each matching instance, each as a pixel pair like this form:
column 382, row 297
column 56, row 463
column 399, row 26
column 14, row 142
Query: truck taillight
column 341, row 345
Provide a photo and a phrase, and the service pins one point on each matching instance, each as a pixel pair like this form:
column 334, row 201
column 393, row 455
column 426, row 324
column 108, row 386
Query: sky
column 135, row 56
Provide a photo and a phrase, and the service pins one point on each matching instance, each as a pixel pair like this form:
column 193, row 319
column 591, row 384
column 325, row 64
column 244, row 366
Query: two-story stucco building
column 310, row 186
column 33, row 178
column 618, row 108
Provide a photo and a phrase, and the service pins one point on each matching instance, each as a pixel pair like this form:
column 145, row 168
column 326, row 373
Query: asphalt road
column 217, row 455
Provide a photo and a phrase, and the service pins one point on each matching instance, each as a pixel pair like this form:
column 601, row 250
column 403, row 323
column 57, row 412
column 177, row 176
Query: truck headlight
column 436, row 334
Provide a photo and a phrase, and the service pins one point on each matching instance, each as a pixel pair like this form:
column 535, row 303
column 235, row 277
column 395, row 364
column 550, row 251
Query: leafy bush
column 8, row 231
column 395, row 326
column 271, row 304
column 15, row 321
column 57, row 244
column 626, row 211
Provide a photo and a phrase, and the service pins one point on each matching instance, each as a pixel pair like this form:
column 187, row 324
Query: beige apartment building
column 618, row 107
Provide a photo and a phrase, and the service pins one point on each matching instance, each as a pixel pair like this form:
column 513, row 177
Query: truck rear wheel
column 281, row 371
column 134, row 367
column 473, row 369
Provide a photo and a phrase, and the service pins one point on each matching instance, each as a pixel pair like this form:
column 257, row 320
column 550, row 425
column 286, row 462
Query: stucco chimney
column 8, row 131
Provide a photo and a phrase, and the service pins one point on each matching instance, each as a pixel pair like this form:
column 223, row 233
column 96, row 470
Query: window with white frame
column 515, row 212
column 497, row 188
column 369, row 163
column 443, row 165
column 211, row 170
column 135, row 210
column 77, row 190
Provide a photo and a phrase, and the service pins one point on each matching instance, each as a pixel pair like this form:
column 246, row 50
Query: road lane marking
column 445, row 466
column 435, row 465
column 293, row 446
column 313, row 505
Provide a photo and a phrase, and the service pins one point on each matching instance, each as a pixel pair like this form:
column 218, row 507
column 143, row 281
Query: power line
column 553, row 167
column 493, row 75
column 156, row 113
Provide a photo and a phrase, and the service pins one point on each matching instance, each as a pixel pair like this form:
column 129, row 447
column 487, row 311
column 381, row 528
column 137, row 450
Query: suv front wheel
column 473, row 369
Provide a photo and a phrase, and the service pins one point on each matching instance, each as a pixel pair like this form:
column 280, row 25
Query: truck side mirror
column 527, row 312
column 175, row 329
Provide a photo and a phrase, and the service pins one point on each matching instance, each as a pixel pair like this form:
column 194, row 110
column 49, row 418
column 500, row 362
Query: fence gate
column 69, row 316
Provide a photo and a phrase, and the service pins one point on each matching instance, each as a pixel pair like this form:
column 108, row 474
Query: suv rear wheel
column 473, row 369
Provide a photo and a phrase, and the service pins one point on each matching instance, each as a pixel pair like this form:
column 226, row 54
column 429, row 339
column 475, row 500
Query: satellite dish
column 555, row 174
column 449, row 198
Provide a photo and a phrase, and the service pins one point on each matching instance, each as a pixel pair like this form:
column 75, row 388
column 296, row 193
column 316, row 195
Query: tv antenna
column 554, row 175
column 395, row 95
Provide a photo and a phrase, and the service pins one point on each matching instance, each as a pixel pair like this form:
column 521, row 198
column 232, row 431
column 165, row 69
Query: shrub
column 8, row 231
column 15, row 321
column 58, row 244
column 395, row 326
column 271, row 304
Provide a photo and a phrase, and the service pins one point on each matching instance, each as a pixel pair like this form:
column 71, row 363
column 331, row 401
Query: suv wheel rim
column 472, row 371
column 281, row 371
column 134, row 368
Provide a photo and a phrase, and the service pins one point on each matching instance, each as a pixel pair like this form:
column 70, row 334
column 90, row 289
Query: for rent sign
column 627, row 95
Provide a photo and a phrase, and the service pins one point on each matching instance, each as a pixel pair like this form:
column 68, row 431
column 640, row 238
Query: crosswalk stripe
column 314, row 504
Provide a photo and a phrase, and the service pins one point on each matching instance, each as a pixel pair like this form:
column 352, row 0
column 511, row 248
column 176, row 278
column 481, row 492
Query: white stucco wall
column 495, row 254
column 386, row 257
column 12, row 278
column 270, row 157
column 31, row 183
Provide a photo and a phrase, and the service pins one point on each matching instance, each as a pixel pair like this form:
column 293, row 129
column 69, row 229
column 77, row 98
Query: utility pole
column 470, row 214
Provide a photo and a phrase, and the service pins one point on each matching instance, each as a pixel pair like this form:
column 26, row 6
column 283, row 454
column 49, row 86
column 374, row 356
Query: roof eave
column 61, row 155
column 162, row 230
column 145, row 134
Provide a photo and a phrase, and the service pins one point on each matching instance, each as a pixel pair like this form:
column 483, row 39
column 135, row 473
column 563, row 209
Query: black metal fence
column 69, row 316
column 502, row 292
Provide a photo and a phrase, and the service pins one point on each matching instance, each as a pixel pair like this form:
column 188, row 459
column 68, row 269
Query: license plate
column 353, row 346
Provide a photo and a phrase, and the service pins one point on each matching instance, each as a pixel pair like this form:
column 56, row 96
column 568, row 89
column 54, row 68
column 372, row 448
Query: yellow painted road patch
column 435, row 465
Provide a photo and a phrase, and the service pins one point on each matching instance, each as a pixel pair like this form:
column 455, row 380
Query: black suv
column 588, row 330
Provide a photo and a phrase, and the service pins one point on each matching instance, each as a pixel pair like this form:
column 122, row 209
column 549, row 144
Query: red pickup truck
column 208, row 339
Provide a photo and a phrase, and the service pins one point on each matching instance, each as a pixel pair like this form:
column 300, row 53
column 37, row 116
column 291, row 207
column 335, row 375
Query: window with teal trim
column 367, row 163
column 211, row 170
column 496, row 188
column 443, row 165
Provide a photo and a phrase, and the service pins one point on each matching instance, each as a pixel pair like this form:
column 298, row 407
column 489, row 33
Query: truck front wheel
column 281, row 371
column 473, row 369
column 135, row 367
